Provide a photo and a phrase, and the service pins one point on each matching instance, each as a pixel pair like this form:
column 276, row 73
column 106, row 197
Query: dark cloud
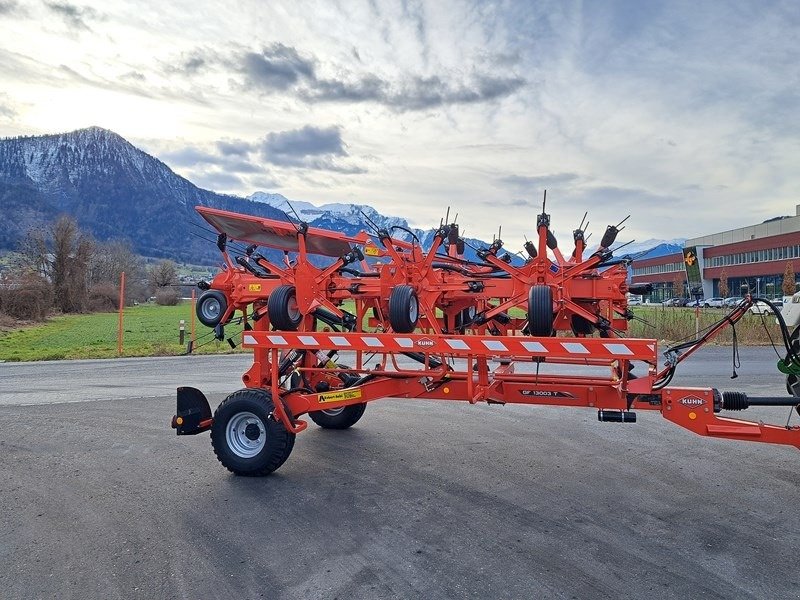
column 366, row 89
column 309, row 148
column 240, row 166
column 535, row 182
column 195, row 62
column 417, row 93
column 6, row 110
column 276, row 67
column 281, row 68
column 264, row 182
column 235, row 147
column 74, row 16
column 10, row 7
column 301, row 143
column 194, row 157
column 189, row 157
column 217, row 180
column 133, row 76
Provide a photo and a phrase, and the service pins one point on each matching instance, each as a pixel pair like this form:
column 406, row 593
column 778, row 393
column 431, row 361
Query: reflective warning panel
column 473, row 345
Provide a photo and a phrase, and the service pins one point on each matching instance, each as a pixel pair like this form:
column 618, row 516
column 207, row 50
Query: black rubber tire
column 540, row 311
column 343, row 419
column 211, row 307
column 282, row 309
column 403, row 309
column 278, row 442
column 339, row 419
column 581, row 325
column 464, row 318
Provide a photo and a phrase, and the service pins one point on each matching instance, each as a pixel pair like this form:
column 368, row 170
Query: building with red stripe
column 752, row 259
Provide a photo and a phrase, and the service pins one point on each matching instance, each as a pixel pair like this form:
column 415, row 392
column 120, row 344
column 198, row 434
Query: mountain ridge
column 117, row 191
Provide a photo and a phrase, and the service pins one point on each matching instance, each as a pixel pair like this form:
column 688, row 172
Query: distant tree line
column 61, row 268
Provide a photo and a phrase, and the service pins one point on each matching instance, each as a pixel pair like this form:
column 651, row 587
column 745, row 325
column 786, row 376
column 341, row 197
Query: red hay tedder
column 427, row 323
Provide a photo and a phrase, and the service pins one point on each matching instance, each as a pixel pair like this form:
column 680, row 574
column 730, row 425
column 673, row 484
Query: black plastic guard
column 194, row 413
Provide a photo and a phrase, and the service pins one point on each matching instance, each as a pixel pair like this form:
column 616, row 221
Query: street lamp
column 758, row 286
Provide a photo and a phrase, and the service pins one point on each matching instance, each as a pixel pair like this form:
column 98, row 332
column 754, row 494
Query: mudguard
column 194, row 413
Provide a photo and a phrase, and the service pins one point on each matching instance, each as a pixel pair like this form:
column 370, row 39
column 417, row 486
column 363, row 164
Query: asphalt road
column 419, row 500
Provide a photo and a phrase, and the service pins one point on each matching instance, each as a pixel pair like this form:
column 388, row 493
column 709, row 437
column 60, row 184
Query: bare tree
column 162, row 274
column 789, row 285
column 679, row 285
column 72, row 250
column 61, row 254
column 109, row 260
column 723, row 283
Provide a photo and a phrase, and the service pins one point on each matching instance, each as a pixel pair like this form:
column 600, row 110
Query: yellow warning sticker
column 339, row 396
column 254, row 287
column 372, row 250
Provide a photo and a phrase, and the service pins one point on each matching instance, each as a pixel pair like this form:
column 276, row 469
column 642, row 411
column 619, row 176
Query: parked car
column 669, row 302
column 761, row 308
column 732, row 301
column 634, row 302
column 714, row 303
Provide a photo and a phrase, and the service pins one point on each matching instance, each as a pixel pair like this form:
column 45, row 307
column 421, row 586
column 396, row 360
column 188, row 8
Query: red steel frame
column 455, row 366
column 692, row 408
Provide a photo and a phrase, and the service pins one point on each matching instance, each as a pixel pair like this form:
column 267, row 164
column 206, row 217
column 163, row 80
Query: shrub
column 103, row 297
column 29, row 298
column 167, row 296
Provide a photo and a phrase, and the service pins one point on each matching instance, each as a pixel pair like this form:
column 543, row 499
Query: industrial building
column 752, row 258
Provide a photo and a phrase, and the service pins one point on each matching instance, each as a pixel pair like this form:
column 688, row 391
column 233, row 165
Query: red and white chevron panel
column 617, row 348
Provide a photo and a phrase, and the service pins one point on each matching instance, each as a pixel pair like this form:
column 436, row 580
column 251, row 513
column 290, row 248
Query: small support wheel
column 338, row 418
column 211, row 307
column 403, row 309
column 465, row 318
column 341, row 417
column 284, row 314
column 245, row 438
column 540, row 311
column 581, row 325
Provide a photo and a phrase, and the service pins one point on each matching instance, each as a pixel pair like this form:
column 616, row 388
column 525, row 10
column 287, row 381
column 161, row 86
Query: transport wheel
column 540, row 311
column 244, row 437
column 282, row 308
column 464, row 318
column 581, row 325
column 341, row 417
column 211, row 306
column 403, row 309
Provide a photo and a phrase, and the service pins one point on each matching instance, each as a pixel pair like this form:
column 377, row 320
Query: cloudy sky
column 685, row 115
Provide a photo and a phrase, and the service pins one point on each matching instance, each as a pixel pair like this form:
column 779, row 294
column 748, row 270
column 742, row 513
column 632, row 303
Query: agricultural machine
column 343, row 320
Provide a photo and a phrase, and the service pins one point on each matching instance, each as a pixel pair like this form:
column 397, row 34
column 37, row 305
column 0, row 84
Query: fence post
column 120, row 329
column 194, row 305
column 181, row 332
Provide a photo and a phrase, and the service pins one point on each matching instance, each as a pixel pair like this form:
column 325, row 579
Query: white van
column 791, row 310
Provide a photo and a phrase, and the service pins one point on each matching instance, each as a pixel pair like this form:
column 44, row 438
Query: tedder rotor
column 343, row 320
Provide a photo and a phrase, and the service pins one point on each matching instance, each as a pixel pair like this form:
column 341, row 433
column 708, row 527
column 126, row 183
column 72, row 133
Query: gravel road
column 419, row 500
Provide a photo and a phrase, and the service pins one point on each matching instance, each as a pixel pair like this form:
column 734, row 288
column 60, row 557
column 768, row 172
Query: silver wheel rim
column 292, row 309
column 413, row 309
column 333, row 412
column 211, row 309
column 241, row 428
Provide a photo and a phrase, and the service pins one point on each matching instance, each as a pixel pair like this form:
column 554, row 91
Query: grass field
column 152, row 330
column 149, row 330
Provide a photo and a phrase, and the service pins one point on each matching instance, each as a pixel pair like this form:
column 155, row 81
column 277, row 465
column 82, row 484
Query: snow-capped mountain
column 113, row 189
column 359, row 216
column 652, row 248
column 353, row 218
